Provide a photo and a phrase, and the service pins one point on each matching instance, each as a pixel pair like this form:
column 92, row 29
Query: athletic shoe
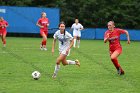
column 4, row 45
column 41, row 48
column 77, row 62
column 120, row 71
column 45, row 49
column 54, row 76
column 78, row 46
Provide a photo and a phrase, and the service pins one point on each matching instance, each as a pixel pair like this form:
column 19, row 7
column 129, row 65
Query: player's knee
column 64, row 64
column 112, row 57
column 44, row 38
column 58, row 63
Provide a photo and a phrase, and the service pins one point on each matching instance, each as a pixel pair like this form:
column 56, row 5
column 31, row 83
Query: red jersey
column 2, row 25
column 43, row 22
column 114, row 38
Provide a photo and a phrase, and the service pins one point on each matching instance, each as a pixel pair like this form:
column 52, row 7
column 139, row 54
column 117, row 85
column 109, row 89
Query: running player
column 113, row 36
column 43, row 23
column 65, row 43
column 3, row 32
column 77, row 27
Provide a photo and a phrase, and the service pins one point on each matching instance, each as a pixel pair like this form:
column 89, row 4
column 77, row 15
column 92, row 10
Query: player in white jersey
column 77, row 27
column 65, row 43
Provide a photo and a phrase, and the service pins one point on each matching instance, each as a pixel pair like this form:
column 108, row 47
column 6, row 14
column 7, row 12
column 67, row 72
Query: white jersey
column 76, row 29
column 64, row 40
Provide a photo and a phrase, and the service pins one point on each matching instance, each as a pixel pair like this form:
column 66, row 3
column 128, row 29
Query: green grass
column 96, row 75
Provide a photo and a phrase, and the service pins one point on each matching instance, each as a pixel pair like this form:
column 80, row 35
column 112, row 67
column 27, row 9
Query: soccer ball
column 36, row 75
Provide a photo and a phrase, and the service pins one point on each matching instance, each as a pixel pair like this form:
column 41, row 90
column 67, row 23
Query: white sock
column 57, row 67
column 70, row 62
column 78, row 43
column 74, row 43
column 69, row 53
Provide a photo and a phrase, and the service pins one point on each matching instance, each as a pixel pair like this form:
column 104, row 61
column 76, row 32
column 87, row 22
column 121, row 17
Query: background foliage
column 91, row 13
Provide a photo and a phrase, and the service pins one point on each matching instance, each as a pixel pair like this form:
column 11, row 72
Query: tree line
column 91, row 13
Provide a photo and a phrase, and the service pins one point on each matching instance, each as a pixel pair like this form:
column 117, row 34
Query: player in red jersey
column 113, row 36
column 3, row 32
column 43, row 23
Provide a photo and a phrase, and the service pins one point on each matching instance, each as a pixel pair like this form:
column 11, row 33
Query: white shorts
column 77, row 33
column 64, row 52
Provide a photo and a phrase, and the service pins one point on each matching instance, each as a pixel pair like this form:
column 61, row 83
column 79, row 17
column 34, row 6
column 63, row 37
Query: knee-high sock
column 116, row 63
column 57, row 67
column 78, row 43
column 70, row 62
column 43, row 42
column 4, row 41
column 74, row 43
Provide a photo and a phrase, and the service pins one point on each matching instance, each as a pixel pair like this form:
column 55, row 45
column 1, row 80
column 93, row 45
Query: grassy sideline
column 97, row 74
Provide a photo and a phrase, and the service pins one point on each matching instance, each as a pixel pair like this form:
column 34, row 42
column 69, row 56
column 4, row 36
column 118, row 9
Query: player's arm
column 48, row 24
column 71, row 44
column 105, row 40
column 71, row 29
column 106, row 37
column 6, row 25
column 127, row 35
column 81, row 28
column 53, row 45
column 38, row 24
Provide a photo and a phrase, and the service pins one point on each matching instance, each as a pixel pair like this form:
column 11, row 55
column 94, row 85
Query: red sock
column 4, row 41
column 43, row 42
column 115, row 62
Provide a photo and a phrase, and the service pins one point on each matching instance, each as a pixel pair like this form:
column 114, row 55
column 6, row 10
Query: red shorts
column 42, row 32
column 119, row 50
column 3, row 33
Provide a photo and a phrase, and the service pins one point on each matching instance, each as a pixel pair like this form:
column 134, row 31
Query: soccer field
column 96, row 74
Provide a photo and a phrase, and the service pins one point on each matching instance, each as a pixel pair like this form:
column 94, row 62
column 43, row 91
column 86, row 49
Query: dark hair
column 62, row 22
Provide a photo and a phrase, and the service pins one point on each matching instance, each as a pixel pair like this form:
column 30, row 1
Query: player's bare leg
column 114, row 59
column 44, row 41
column 78, row 42
column 70, row 62
column 57, row 66
column 75, row 39
column 4, row 40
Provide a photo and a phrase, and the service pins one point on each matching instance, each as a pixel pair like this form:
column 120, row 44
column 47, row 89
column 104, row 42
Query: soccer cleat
column 41, row 48
column 45, row 49
column 77, row 62
column 4, row 45
column 120, row 71
column 54, row 75
column 78, row 46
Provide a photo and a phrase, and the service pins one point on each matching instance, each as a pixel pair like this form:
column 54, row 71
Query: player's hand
column 67, row 51
column 128, row 41
column 41, row 26
column 47, row 25
column 5, row 25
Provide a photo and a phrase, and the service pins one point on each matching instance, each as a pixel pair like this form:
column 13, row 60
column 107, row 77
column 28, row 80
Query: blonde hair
column 43, row 13
column 112, row 22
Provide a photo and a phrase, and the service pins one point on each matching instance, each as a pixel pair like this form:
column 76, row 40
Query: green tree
column 91, row 13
